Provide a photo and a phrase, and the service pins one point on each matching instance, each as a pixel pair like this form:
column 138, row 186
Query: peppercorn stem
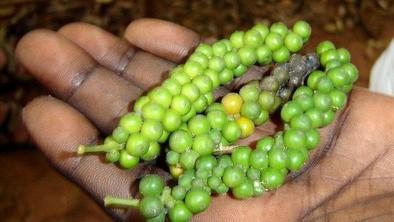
column 114, row 201
column 220, row 150
column 82, row 149
column 166, row 197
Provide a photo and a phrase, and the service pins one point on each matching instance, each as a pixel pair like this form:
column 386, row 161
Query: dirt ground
column 32, row 191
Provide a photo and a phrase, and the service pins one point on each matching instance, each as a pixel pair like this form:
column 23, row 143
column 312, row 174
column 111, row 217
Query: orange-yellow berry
column 246, row 125
column 232, row 103
column 175, row 171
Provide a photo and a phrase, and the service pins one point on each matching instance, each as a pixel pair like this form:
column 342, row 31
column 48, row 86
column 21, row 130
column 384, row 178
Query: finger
column 162, row 38
column 71, row 74
column 147, row 70
column 58, row 129
column 142, row 68
column 106, row 48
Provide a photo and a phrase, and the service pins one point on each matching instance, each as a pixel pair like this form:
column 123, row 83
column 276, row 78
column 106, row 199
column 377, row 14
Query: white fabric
column 382, row 73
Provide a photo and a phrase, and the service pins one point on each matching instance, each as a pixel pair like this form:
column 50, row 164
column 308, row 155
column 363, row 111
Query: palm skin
column 94, row 76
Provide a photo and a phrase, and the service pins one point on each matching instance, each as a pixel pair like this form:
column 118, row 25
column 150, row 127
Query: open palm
column 94, row 76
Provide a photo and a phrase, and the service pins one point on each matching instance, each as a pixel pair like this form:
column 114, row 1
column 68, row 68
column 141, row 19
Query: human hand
column 95, row 76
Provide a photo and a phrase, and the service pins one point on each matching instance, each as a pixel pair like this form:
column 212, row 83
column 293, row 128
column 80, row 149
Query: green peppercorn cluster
column 182, row 115
column 189, row 90
column 249, row 173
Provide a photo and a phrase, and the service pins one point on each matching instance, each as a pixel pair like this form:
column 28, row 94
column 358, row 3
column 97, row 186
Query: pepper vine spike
column 102, row 148
column 201, row 133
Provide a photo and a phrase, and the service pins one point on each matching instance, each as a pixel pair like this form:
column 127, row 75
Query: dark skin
column 94, row 75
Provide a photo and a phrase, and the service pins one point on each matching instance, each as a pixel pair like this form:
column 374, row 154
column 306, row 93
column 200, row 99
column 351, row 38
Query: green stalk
column 82, row 149
column 126, row 203
column 220, row 150
column 166, row 197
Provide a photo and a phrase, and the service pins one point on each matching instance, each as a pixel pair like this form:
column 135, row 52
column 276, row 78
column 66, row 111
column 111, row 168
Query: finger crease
column 128, row 55
column 125, row 59
column 80, row 78
column 125, row 67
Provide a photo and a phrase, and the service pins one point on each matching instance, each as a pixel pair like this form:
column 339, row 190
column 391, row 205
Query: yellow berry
column 176, row 171
column 246, row 125
column 232, row 103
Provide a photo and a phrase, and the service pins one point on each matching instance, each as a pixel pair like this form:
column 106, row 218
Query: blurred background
column 30, row 190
